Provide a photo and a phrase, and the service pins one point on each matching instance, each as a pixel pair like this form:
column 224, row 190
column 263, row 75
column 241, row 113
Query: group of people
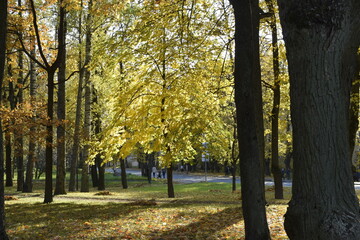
column 158, row 173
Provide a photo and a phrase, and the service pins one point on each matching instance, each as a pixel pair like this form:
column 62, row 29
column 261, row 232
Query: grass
column 143, row 211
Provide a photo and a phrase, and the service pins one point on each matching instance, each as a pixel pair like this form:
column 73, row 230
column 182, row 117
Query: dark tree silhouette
column 3, row 30
column 249, row 117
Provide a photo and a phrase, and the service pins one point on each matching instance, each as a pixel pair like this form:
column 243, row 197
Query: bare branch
column 36, row 27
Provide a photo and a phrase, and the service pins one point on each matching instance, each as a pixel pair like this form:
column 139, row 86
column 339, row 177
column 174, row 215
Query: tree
column 19, row 142
column 50, row 70
column 123, row 174
column 322, row 39
column 87, row 100
column 275, row 168
column 76, row 137
column 160, row 81
column 3, row 30
column 96, row 124
column 249, row 117
column 28, row 185
column 354, row 109
column 61, row 109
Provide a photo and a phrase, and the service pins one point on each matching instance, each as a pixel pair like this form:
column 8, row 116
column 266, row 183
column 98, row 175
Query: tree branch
column 29, row 55
column 268, row 85
column 36, row 28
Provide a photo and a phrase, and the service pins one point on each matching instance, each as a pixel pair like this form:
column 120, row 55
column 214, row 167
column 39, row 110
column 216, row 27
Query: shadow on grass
column 204, row 228
column 26, row 221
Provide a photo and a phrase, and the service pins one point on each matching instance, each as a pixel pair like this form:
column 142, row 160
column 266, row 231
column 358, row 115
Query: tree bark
column 97, row 130
column 322, row 39
column 123, row 174
column 354, row 109
column 19, row 142
column 48, row 198
column 9, row 175
column 87, row 114
column 234, row 154
column 61, row 110
column 170, row 184
column 275, row 166
column 101, row 167
column 233, row 174
column 3, row 30
column 76, row 139
column 94, row 175
column 28, row 185
column 248, row 101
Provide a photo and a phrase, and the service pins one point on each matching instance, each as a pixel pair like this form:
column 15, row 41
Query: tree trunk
column 354, row 108
column 3, row 30
column 48, row 198
column 233, row 173
column 28, row 185
column 87, row 115
column 95, row 124
column 85, row 165
column 61, row 95
column 9, row 175
column 19, row 142
column 94, row 175
column 275, row 166
column 97, row 130
column 249, row 118
column 322, row 39
column 234, row 154
column 101, row 167
column 149, row 164
column 76, row 139
column 170, row 184
column 123, row 174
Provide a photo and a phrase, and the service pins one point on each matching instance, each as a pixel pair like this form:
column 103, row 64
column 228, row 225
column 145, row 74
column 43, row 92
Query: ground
column 199, row 211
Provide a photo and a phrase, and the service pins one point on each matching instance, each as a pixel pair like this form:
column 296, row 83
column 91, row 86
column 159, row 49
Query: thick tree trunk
column 249, row 118
column 170, row 183
column 61, row 151
column 354, row 109
column 3, row 30
column 322, row 38
column 123, row 174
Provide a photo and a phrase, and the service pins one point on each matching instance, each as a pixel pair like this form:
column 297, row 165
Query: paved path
column 193, row 178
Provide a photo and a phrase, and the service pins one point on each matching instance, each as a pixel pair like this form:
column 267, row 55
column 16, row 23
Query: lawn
column 143, row 211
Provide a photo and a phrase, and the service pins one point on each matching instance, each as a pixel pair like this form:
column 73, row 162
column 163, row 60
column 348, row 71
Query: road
column 193, row 178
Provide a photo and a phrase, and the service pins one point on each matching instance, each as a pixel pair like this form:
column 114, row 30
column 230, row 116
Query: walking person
column 154, row 171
